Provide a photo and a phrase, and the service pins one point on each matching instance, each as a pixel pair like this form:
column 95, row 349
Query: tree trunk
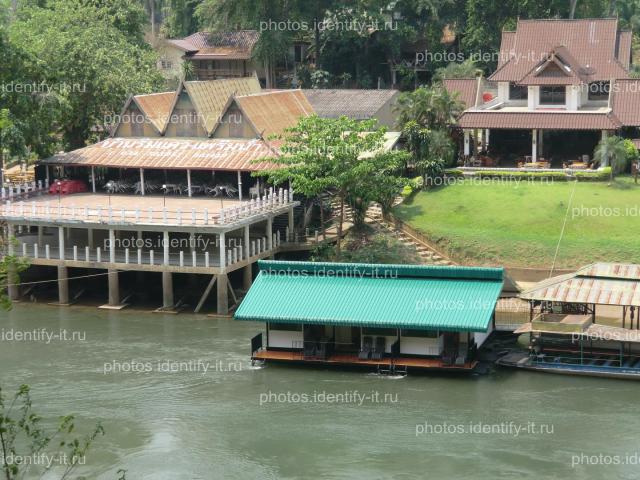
column 572, row 8
column 322, row 225
column 152, row 13
column 340, row 220
column 316, row 39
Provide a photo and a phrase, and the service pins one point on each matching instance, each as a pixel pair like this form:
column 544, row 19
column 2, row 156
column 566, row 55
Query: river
column 179, row 399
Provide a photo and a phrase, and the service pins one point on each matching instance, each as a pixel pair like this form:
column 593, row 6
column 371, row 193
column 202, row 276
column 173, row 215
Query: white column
column 222, row 257
column 247, row 253
column 534, row 145
column 239, row 185
column 165, row 245
column 112, row 245
column 189, row 181
column 541, row 142
column 61, row 243
column 142, row 182
column 269, row 233
column 467, row 142
column 93, row 178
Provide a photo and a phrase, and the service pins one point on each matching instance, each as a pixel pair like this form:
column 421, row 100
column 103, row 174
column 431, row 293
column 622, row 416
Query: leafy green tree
column 430, row 107
column 181, row 19
column 611, row 152
column 466, row 69
column 343, row 156
column 23, row 436
column 92, row 64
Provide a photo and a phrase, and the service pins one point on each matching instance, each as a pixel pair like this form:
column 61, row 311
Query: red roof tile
column 466, row 88
column 625, row 101
column 540, row 120
column 233, row 45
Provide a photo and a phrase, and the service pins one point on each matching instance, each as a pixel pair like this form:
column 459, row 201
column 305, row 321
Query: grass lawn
column 511, row 223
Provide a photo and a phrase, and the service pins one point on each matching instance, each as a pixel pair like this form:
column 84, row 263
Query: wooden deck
column 352, row 360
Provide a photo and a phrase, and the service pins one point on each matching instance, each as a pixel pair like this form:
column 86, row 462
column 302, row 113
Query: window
column 518, row 92
column 285, row 327
column 552, row 95
column 166, row 64
column 599, row 91
column 419, row 333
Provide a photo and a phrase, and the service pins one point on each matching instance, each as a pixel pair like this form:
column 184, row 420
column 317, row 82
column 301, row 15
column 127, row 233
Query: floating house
column 569, row 335
column 385, row 317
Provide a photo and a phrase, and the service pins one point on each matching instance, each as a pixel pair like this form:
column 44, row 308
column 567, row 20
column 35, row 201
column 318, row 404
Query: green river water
column 239, row 422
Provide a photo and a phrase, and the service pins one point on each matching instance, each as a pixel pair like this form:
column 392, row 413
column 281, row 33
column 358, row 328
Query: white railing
column 22, row 190
column 100, row 214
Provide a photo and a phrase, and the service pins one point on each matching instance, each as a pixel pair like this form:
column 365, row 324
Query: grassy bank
column 502, row 222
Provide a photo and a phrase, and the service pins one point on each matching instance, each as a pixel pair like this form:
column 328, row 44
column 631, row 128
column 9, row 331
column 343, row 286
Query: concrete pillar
column 93, row 178
column 475, row 143
column 192, row 242
column 114, row 288
column 269, row 233
column 291, row 221
column 223, row 294
column 467, row 142
column 12, row 275
column 112, row 245
column 142, row 182
column 167, row 290
column 189, row 182
column 40, row 235
column 541, row 142
column 534, row 145
column 61, row 243
column 63, row 285
column 247, row 247
column 247, row 277
column 239, row 185
column 165, row 245
column 222, row 251
column 90, row 238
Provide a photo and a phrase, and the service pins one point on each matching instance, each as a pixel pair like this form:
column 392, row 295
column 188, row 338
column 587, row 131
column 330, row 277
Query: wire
column 564, row 224
column 58, row 279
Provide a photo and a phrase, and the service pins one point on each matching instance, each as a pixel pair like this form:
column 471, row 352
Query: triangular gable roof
column 566, row 70
column 271, row 113
column 211, row 98
column 157, row 107
column 236, row 44
column 595, row 44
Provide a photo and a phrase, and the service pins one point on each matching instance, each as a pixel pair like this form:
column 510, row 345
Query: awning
column 388, row 296
column 170, row 153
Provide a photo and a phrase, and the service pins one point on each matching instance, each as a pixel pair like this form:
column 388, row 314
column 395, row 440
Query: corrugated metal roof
column 157, row 107
column 600, row 283
column 624, row 48
column 593, row 42
column 536, row 119
column 210, row 154
column 234, row 45
column 272, row 112
column 391, row 296
column 211, row 97
column 358, row 104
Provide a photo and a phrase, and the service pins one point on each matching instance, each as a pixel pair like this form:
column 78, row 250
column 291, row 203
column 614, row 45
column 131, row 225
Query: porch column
column 114, row 288
column 142, row 182
column 475, row 142
column 486, row 138
column 90, row 238
column 269, row 232
column 291, row 223
column 239, row 186
column 40, row 235
column 247, row 277
column 534, row 145
column 61, row 243
column 483, row 140
column 222, row 252
column 247, row 241
column 112, row 245
column 467, row 142
column 165, row 246
column 189, row 182
column 12, row 276
column 93, row 178
column 222, row 294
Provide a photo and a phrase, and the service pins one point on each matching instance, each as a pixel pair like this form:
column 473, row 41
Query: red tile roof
column 625, row 101
column 593, row 42
column 624, row 48
column 541, row 120
column 467, row 89
column 170, row 153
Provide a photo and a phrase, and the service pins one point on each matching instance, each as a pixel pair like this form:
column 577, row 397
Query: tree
column 343, row 156
column 611, row 152
column 430, row 107
column 466, row 69
column 93, row 61
column 20, row 428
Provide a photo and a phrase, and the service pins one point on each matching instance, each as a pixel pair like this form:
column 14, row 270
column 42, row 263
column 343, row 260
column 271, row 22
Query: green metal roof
column 390, row 296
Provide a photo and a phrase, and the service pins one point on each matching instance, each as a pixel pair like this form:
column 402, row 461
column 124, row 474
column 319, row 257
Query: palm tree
column 429, row 107
column 611, row 152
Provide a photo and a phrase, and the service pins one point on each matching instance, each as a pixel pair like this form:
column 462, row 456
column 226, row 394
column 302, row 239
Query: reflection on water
column 186, row 423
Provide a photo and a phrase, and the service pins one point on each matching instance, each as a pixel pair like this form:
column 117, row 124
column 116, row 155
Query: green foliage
column 22, row 435
column 94, row 60
column 466, row 69
column 429, row 107
column 611, row 152
column 180, row 18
